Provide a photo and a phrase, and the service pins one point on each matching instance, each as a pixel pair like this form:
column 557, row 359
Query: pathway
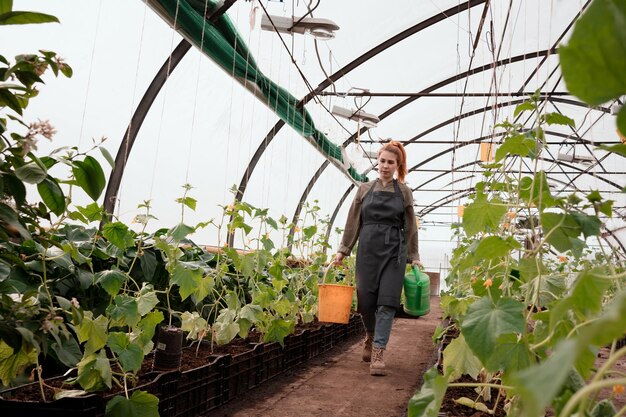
column 338, row 383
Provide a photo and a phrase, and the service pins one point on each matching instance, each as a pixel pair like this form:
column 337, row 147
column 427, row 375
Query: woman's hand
column 338, row 260
column 417, row 263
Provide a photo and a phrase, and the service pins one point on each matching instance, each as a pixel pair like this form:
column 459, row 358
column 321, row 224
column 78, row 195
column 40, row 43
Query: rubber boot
column 377, row 367
column 367, row 347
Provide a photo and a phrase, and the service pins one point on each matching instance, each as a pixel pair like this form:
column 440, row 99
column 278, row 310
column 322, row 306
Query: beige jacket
column 353, row 222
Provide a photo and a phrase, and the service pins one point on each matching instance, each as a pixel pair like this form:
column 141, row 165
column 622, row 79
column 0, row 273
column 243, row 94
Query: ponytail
column 397, row 149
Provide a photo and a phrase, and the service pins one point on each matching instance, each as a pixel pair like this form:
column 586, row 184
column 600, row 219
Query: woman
column 382, row 218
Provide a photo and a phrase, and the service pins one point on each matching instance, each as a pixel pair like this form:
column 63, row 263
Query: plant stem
column 587, row 390
column 480, row 384
column 40, row 379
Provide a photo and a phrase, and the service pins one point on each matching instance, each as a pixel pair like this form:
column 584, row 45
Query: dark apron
column 381, row 253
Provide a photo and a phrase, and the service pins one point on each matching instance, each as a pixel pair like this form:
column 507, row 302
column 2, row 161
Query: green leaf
column 225, row 326
column 188, row 201
column 8, row 216
column 25, row 18
column 559, row 119
column 536, row 191
column 604, row 408
column 52, row 195
column 487, row 320
column 589, row 290
column 94, row 332
column 93, row 212
column 12, row 363
column 525, row 106
column 111, row 281
column 207, row 284
column 251, row 312
column 619, row 149
column 144, row 332
column 610, row 325
column 140, row 404
column 592, row 62
column 31, row 173
column 148, row 263
column 458, row 360
column 10, row 100
column 309, row 232
column 146, row 300
column 180, row 231
column 103, row 150
column 551, row 288
column 129, row 354
column 427, row 401
column 277, row 330
column 118, row 234
column 495, row 247
column 89, row 176
column 5, row 7
column 124, row 311
column 483, row 215
column 193, row 324
column 187, row 278
column 94, row 372
column 520, row 145
column 511, row 354
column 539, row 384
column 590, row 225
column 68, row 352
column 560, row 229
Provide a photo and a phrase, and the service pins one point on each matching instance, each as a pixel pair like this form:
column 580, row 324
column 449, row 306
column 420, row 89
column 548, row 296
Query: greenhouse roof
column 257, row 109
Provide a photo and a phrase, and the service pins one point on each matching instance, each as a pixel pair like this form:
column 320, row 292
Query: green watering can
column 417, row 292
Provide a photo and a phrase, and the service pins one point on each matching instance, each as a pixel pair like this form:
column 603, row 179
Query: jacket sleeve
column 410, row 228
column 353, row 225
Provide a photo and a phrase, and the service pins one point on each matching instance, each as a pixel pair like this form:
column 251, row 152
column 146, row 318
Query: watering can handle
column 328, row 270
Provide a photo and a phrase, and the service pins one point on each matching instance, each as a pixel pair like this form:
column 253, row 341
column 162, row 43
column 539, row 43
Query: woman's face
column 387, row 165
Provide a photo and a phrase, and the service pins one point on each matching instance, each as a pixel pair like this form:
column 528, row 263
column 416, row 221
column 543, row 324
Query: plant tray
column 242, row 372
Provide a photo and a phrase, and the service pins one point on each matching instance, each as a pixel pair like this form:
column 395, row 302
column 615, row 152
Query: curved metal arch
column 338, row 75
column 405, row 102
column 159, row 80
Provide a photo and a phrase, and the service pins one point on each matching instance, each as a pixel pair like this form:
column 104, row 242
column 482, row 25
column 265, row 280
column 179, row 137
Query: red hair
column 397, row 149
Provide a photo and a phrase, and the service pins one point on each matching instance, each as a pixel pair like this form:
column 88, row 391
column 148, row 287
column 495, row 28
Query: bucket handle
column 347, row 271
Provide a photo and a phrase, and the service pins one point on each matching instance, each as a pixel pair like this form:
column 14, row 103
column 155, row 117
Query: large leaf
column 592, row 62
column 590, row 225
column 140, row 404
column 6, row 6
column 427, row 401
column 207, row 284
column 124, row 311
column 180, row 231
column 89, row 176
column 8, row 216
column 560, row 230
column 12, row 363
column 112, row 281
column 483, row 215
column 459, row 360
column 68, row 352
column 31, row 173
column 52, row 195
column 511, row 354
column 589, row 290
column 187, row 278
column 278, row 330
column 94, row 332
column 94, row 372
column 540, row 383
column 25, row 18
column 129, row 354
column 536, row 191
column 146, row 300
column 487, row 320
column 521, row 145
column 144, row 332
column 118, row 234
column 495, row 247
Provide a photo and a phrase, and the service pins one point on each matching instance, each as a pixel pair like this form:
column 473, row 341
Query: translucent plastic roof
column 440, row 73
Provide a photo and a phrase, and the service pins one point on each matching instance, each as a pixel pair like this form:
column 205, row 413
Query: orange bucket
column 334, row 302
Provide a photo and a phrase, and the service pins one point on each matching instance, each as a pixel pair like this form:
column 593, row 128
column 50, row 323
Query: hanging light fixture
column 366, row 119
column 321, row 29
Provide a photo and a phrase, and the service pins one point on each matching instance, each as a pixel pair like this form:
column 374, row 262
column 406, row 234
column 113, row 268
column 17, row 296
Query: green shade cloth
column 222, row 43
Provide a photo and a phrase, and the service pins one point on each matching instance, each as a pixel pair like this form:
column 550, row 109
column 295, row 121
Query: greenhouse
column 311, row 208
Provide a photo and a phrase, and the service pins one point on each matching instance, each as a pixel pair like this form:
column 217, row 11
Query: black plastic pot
column 169, row 349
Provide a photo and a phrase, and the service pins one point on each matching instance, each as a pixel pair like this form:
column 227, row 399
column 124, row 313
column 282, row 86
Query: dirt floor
column 338, row 383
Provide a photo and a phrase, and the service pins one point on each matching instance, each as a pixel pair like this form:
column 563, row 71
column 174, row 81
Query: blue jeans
column 380, row 324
